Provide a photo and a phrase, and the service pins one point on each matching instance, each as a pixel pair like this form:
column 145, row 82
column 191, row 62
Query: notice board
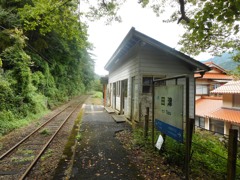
column 168, row 110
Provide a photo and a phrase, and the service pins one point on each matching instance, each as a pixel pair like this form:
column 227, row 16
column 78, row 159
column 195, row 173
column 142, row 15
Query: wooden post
column 232, row 154
column 104, row 95
column 146, row 123
column 153, row 102
column 188, row 132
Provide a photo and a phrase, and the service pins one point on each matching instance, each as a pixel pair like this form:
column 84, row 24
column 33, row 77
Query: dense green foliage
column 43, row 58
column 97, row 85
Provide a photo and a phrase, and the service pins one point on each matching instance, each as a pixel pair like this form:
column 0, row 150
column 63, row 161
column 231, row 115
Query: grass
column 25, row 151
column 47, row 154
column 97, row 94
column 208, row 158
column 10, row 122
column 78, row 137
column 45, row 132
column 27, row 156
column 22, row 160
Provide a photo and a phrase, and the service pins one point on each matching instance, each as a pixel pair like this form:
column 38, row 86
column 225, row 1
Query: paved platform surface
column 99, row 155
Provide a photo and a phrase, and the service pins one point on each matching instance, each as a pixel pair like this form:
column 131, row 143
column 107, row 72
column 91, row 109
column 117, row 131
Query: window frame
column 236, row 101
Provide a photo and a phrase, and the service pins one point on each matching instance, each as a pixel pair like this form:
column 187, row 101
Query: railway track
column 19, row 160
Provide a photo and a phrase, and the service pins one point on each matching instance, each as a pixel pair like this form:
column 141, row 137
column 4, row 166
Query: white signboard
column 168, row 110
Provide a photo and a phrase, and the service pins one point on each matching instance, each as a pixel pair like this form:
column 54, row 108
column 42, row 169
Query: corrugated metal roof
column 232, row 87
column 133, row 37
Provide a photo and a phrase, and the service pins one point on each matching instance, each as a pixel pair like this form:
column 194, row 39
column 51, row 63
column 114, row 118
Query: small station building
column 134, row 65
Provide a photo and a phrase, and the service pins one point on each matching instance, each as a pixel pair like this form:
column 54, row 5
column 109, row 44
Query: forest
column 44, row 58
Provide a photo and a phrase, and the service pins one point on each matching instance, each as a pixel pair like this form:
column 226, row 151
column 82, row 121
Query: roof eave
column 112, row 59
column 196, row 64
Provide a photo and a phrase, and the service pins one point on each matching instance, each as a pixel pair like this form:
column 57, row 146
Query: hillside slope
column 225, row 61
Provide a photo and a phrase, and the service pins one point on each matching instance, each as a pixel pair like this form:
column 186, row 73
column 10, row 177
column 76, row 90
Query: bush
column 6, row 122
column 6, row 94
column 96, row 85
column 208, row 155
column 98, row 95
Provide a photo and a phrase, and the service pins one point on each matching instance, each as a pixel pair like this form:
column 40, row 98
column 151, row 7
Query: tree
column 211, row 25
column 43, row 57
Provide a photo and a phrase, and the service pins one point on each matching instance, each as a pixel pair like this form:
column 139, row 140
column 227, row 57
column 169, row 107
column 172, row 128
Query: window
column 114, row 89
column 200, row 122
column 236, row 100
column 118, row 90
column 147, row 85
column 217, row 126
column 125, row 87
column 201, row 89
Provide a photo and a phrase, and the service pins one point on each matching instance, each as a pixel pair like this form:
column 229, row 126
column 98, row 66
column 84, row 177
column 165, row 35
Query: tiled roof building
column 211, row 80
column 206, row 105
column 232, row 87
column 219, row 114
column 229, row 115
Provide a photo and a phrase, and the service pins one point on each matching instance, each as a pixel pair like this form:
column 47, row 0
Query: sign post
column 168, row 116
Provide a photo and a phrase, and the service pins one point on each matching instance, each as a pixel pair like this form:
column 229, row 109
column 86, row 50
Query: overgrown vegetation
column 45, row 132
column 98, row 94
column 208, row 155
column 27, row 153
column 47, row 154
column 43, row 58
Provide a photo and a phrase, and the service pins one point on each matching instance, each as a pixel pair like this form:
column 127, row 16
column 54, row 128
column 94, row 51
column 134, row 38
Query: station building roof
column 134, row 37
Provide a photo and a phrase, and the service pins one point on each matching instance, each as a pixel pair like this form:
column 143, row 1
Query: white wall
column 125, row 70
column 149, row 61
column 159, row 63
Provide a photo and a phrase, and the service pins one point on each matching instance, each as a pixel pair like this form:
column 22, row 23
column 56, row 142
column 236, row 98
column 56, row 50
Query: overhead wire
column 32, row 49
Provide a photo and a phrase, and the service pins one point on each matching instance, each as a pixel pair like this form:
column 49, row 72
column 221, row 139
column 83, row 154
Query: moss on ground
column 65, row 164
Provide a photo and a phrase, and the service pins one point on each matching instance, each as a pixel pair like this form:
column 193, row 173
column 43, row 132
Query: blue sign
column 169, row 130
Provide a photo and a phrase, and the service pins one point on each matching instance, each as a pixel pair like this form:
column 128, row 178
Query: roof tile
column 205, row 106
column 212, row 108
column 232, row 87
column 229, row 115
column 215, row 76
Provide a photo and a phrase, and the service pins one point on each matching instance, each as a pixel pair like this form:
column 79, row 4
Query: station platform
column 98, row 154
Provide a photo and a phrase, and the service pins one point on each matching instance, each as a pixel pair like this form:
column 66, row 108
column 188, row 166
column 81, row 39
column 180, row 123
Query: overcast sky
column 106, row 38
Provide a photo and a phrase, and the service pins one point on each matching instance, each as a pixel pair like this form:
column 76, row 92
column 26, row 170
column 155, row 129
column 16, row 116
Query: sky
column 107, row 38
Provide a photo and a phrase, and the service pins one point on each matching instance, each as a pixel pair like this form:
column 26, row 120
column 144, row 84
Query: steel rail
column 24, row 139
column 46, row 145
